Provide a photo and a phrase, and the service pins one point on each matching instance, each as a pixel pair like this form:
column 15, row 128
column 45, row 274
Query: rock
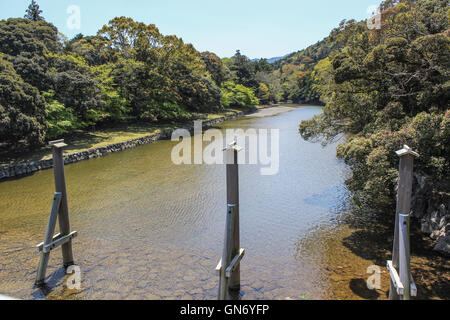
column 442, row 222
column 431, row 207
column 435, row 234
column 425, row 227
column 443, row 245
column 434, row 219
column 442, row 210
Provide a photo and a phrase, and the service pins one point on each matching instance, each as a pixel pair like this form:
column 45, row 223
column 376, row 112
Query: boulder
column 443, row 245
column 432, row 209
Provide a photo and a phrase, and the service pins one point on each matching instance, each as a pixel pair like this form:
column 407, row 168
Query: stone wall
column 25, row 168
column 431, row 208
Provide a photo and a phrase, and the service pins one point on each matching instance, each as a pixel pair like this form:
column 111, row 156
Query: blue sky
column 259, row 28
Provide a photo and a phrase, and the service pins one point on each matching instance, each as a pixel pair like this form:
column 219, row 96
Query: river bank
column 271, row 111
column 100, row 143
column 357, row 247
column 97, row 144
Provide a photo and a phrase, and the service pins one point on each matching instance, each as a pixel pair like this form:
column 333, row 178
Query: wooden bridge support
column 60, row 210
column 402, row 285
column 229, row 266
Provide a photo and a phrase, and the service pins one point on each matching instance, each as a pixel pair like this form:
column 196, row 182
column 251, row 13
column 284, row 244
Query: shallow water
column 149, row 229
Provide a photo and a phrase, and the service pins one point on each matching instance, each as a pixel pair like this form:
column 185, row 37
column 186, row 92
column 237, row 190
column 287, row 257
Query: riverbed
column 150, row 229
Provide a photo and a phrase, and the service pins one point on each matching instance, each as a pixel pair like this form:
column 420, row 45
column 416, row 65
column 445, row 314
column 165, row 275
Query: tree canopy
column 22, row 109
column 129, row 71
column 385, row 88
column 33, row 12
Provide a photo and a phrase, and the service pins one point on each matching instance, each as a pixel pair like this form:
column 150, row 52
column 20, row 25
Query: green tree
column 76, row 87
column 128, row 71
column 95, row 50
column 157, row 72
column 33, row 12
column 385, row 88
column 237, row 95
column 60, row 120
column 215, row 66
column 22, row 109
column 132, row 39
column 25, row 43
column 243, row 70
column 263, row 93
column 263, row 65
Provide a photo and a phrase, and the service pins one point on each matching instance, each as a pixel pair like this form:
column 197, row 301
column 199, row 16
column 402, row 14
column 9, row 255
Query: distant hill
column 271, row 60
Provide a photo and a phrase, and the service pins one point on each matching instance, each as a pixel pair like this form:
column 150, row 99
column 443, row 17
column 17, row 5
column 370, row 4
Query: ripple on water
column 151, row 230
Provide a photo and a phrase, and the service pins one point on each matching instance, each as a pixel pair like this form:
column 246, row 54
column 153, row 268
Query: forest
column 129, row 72
column 384, row 88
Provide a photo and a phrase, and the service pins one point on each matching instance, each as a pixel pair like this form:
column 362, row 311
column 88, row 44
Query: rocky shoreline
column 29, row 167
column 431, row 209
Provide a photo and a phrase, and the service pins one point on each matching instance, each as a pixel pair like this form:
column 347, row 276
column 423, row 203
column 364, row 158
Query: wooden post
column 229, row 265
column 403, row 205
column 227, row 251
column 43, row 262
column 404, row 256
column 233, row 200
column 60, row 186
column 59, row 212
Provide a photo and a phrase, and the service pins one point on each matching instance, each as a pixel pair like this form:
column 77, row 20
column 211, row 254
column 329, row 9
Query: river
column 149, row 229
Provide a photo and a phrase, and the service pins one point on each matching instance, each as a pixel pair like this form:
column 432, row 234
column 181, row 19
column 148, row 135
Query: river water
column 149, row 229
